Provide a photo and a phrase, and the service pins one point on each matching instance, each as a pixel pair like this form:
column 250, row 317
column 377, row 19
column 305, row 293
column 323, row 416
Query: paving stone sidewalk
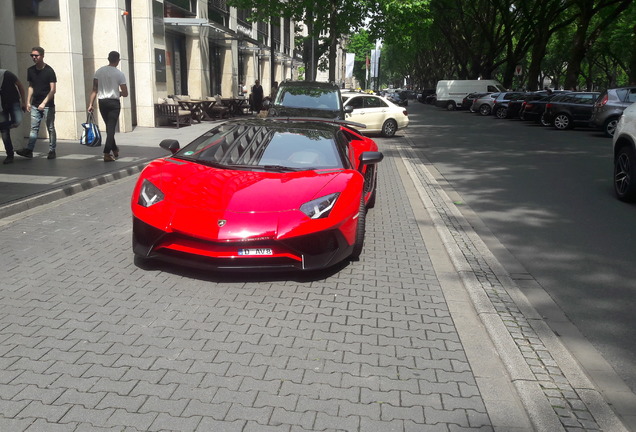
column 555, row 391
column 90, row 341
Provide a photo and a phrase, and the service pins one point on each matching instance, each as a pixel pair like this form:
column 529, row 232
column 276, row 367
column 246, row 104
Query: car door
column 582, row 109
column 376, row 111
column 365, row 111
column 358, row 113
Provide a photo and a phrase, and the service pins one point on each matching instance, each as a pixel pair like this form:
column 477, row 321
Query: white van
column 450, row 93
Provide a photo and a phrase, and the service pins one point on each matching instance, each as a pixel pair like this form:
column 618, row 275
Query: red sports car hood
column 211, row 189
column 226, row 205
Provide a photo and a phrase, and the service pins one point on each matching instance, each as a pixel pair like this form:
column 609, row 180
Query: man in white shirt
column 109, row 84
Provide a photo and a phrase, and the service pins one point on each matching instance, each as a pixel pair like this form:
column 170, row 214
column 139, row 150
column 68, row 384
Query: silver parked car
column 625, row 155
column 483, row 105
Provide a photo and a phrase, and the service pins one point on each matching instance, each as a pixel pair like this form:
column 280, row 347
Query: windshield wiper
column 280, row 168
column 209, row 163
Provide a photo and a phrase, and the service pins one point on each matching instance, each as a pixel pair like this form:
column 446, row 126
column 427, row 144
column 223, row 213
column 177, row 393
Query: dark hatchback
column 506, row 106
column 307, row 99
column 533, row 110
column 610, row 106
column 570, row 109
column 513, row 107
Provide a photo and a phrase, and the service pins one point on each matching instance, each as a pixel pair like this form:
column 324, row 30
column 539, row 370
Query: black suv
column 307, row 99
column 566, row 110
column 501, row 107
column 609, row 107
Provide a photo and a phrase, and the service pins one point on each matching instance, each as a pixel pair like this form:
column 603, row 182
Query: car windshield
column 308, row 97
column 264, row 148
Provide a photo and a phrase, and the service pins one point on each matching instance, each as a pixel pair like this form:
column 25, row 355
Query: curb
column 69, row 190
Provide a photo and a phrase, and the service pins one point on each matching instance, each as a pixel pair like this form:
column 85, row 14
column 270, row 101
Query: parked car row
column 560, row 109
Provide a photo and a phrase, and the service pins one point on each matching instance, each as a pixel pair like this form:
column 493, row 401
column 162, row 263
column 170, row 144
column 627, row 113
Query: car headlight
column 149, row 194
column 320, row 207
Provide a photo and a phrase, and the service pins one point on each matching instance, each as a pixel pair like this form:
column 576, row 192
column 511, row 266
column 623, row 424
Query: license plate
column 259, row 251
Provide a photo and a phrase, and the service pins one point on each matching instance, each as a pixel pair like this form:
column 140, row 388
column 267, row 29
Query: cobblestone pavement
column 88, row 341
column 541, row 380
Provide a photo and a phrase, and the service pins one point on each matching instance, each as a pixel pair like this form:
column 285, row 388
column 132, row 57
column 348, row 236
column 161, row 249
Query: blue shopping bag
column 91, row 136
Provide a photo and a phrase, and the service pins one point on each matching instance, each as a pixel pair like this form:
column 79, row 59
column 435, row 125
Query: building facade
column 194, row 47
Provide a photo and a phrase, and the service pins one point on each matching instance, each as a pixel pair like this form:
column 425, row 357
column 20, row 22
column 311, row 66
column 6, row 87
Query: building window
column 37, row 8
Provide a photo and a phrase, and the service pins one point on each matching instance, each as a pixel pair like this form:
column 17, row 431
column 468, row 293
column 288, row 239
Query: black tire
column 610, row 127
column 501, row 113
column 389, row 128
column 360, row 231
column 562, row 121
column 625, row 174
column 371, row 202
column 544, row 121
column 485, row 110
column 143, row 262
column 450, row 106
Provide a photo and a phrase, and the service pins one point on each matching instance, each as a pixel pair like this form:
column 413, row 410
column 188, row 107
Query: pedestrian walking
column 109, row 84
column 274, row 91
column 40, row 102
column 12, row 105
column 256, row 97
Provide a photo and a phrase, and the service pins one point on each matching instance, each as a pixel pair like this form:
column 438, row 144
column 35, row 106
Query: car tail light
column 548, row 106
column 602, row 102
column 406, row 114
column 523, row 104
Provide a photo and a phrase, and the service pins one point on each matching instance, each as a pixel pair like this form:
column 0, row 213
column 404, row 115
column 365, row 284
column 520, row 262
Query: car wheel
column 360, row 231
column 143, row 262
column 544, row 121
column 389, row 128
column 625, row 174
column 371, row 202
column 610, row 127
column 501, row 113
column 450, row 106
column 562, row 121
column 485, row 109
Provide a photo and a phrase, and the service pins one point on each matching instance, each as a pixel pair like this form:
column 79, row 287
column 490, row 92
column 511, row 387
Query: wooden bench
column 172, row 112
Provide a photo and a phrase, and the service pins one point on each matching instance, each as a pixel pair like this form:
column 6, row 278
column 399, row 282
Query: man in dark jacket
column 257, row 97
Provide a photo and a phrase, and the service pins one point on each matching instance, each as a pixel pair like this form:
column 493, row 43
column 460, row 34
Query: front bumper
column 309, row 252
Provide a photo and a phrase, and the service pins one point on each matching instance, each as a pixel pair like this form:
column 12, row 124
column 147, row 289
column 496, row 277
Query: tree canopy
column 573, row 43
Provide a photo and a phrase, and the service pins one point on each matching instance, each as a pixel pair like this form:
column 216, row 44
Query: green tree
column 361, row 45
column 333, row 17
column 593, row 17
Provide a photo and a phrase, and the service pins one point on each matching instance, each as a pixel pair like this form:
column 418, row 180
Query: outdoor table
column 206, row 109
column 195, row 107
column 234, row 104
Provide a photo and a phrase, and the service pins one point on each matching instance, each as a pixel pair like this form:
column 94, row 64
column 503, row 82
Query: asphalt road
column 547, row 197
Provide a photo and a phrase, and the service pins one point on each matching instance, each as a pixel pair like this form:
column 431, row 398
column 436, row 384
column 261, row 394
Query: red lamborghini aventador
column 258, row 194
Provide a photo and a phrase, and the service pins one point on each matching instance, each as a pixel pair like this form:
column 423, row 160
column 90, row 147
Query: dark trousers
column 110, row 108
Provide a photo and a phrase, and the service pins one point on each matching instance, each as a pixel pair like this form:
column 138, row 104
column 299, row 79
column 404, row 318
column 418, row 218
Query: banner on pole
column 375, row 61
column 350, row 58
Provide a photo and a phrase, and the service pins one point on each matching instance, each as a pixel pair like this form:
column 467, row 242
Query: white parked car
column 624, row 141
column 378, row 113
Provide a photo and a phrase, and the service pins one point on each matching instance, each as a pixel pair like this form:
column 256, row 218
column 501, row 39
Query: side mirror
column 370, row 158
column 348, row 109
column 266, row 103
column 170, row 144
